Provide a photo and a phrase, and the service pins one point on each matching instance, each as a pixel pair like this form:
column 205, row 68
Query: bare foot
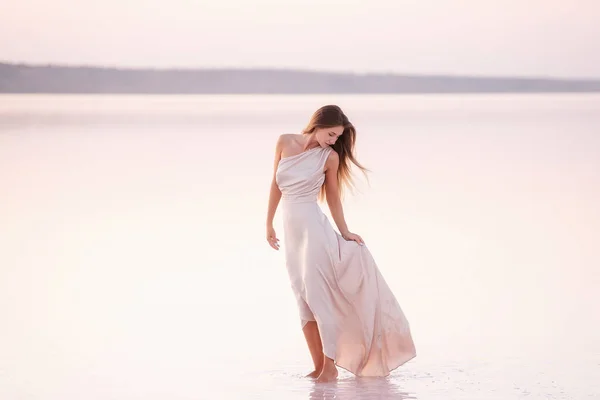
column 314, row 374
column 329, row 373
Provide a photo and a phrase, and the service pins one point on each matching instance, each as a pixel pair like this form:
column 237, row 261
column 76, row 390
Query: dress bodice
column 301, row 176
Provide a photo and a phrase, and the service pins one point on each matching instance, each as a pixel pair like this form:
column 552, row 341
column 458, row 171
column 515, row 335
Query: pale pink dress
column 336, row 282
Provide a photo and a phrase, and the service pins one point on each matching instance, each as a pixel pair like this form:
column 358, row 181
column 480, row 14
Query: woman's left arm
column 333, row 198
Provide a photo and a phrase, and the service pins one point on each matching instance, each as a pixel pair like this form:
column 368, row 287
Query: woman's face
column 328, row 136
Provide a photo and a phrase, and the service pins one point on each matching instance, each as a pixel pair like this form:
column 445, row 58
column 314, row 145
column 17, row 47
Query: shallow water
column 133, row 262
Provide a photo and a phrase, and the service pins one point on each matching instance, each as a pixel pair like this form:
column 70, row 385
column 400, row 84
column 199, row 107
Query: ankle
column 328, row 362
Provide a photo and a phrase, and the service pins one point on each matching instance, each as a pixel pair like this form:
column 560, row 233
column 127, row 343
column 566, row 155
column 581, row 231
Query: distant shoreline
column 51, row 79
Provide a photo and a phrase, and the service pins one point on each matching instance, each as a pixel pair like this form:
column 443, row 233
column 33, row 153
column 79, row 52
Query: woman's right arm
column 274, row 197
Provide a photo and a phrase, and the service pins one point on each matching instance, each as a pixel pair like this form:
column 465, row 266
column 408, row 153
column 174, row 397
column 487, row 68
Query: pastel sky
column 484, row 37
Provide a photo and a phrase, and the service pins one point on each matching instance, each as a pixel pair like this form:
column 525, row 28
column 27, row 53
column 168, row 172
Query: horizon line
column 297, row 69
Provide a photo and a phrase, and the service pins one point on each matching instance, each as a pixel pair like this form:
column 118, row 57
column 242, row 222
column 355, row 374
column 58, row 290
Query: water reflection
column 359, row 388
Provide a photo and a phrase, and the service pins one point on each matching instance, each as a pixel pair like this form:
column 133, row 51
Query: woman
column 348, row 313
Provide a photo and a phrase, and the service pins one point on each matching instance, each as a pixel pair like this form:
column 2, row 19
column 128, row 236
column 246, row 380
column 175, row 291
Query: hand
column 353, row 236
column 272, row 238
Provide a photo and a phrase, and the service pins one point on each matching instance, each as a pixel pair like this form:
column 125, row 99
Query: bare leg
column 313, row 339
column 329, row 372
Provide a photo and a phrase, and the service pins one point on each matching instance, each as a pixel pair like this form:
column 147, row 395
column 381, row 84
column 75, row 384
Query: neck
column 310, row 142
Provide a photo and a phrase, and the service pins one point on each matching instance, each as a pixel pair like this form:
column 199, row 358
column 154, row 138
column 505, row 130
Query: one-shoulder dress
column 336, row 282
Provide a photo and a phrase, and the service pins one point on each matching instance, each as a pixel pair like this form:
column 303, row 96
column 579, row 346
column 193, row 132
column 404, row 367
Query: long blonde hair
column 330, row 116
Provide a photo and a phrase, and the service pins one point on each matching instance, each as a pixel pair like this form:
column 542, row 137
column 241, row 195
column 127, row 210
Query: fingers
column 354, row 237
column 273, row 242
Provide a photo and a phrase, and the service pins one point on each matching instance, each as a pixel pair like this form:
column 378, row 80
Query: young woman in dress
column 349, row 316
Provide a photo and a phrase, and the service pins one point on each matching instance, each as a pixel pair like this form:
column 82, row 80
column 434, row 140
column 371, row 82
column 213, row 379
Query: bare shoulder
column 288, row 142
column 284, row 139
column 280, row 144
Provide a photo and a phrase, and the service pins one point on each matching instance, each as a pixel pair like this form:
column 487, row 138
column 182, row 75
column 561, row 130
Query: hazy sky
column 509, row 37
